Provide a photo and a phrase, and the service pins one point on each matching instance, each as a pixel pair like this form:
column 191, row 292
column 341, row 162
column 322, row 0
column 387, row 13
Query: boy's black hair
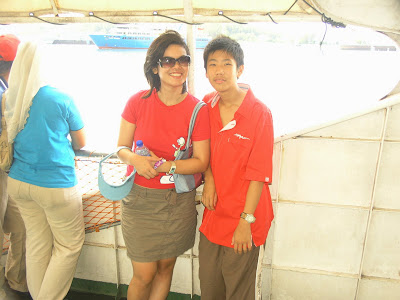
column 226, row 44
column 155, row 52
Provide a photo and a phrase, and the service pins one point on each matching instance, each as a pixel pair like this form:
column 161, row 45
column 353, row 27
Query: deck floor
column 6, row 293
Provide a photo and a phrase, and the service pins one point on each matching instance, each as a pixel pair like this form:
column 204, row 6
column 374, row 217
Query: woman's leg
column 143, row 276
column 39, row 239
column 151, row 280
column 63, row 208
column 162, row 281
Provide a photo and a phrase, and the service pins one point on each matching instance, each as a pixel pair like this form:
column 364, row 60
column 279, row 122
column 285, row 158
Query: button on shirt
column 240, row 152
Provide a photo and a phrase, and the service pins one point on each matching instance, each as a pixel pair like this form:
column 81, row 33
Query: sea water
column 302, row 85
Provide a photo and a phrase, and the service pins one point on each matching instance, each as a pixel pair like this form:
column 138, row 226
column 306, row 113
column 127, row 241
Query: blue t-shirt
column 43, row 154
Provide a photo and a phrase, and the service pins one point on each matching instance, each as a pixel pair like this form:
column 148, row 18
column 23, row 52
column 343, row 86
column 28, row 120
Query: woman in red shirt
column 157, row 223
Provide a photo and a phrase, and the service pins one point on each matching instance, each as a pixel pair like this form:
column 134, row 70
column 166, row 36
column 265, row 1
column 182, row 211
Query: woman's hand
column 144, row 165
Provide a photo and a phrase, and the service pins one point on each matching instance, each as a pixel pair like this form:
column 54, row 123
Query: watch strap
column 248, row 217
column 172, row 169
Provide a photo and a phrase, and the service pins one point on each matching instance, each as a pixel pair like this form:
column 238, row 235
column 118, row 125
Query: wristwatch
column 248, row 217
column 172, row 169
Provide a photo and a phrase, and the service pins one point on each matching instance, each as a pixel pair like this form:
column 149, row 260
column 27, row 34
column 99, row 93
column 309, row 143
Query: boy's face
column 222, row 71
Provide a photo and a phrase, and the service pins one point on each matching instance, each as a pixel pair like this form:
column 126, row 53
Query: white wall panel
column 289, row 285
column 378, row 289
column 266, row 283
column 319, row 238
column 388, row 184
column 97, row 264
column 273, row 188
column 382, row 253
column 182, row 277
column 269, row 244
column 200, row 210
column 120, row 237
column 368, row 126
column 104, row 236
column 393, row 125
column 125, row 267
column 328, row 171
column 196, row 280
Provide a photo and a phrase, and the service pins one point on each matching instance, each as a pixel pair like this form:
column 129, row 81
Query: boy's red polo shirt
column 240, row 152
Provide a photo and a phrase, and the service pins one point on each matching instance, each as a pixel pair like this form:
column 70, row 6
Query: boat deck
column 6, row 293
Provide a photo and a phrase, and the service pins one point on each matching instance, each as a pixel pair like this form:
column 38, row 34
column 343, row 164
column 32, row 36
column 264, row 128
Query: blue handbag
column 187, row 183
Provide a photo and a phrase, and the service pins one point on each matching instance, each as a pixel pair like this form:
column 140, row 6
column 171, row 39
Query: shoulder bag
column 187, row 183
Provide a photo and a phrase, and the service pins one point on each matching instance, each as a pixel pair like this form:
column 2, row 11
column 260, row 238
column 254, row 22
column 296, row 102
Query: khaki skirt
column 158, row 224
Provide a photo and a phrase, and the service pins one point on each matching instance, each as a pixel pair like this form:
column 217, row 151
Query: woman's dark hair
column 5, row 67
column 226, row 44
column 155, row 52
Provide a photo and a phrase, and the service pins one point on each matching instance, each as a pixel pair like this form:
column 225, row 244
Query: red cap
column 8, row 47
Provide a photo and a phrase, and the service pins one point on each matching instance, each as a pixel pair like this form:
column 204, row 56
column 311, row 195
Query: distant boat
column 368, row 47
column 128, row 37
column 72, row 42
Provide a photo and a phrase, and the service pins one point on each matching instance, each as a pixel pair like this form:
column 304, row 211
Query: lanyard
column 3, row 84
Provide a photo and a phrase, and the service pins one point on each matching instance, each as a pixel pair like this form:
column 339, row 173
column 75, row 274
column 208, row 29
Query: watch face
column 250, row 218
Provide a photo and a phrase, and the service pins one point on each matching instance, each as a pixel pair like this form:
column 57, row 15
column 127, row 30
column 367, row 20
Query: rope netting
column 98, row 212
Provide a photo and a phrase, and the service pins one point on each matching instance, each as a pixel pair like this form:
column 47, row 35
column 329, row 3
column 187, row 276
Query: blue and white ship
column 128, row 37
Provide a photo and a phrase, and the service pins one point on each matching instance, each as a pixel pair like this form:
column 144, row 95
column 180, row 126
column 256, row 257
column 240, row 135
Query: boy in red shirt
column 238, row 208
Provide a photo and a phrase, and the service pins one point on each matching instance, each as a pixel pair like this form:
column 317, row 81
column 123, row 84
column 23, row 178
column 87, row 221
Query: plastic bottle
column 141, row 149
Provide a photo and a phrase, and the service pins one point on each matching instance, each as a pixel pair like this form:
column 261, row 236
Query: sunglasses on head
column 169, row 62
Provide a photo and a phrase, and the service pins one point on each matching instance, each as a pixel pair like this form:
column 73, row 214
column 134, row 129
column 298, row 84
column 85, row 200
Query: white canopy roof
column 381, row 15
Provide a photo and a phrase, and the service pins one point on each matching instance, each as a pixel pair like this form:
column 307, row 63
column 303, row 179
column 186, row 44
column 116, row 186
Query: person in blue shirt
column 10, row 218
column 45, row 126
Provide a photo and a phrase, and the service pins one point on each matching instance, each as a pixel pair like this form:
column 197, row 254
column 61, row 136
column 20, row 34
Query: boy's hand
column 242, row 240
column 209, row 196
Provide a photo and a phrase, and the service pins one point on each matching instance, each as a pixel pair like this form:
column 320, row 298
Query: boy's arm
column 242, row 239
column 209, row 195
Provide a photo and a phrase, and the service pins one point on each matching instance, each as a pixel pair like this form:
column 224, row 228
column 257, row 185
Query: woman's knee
column 144, row 273
column 166, row 266
column 142, row 278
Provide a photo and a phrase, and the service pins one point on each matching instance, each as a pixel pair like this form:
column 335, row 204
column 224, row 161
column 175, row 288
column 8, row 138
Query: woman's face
column 173, row 76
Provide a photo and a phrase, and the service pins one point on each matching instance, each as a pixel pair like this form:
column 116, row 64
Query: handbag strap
column 196, row 109
column 100, row 171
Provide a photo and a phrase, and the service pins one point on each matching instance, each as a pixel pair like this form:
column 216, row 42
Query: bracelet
column 122, row 147
column 159, row 163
